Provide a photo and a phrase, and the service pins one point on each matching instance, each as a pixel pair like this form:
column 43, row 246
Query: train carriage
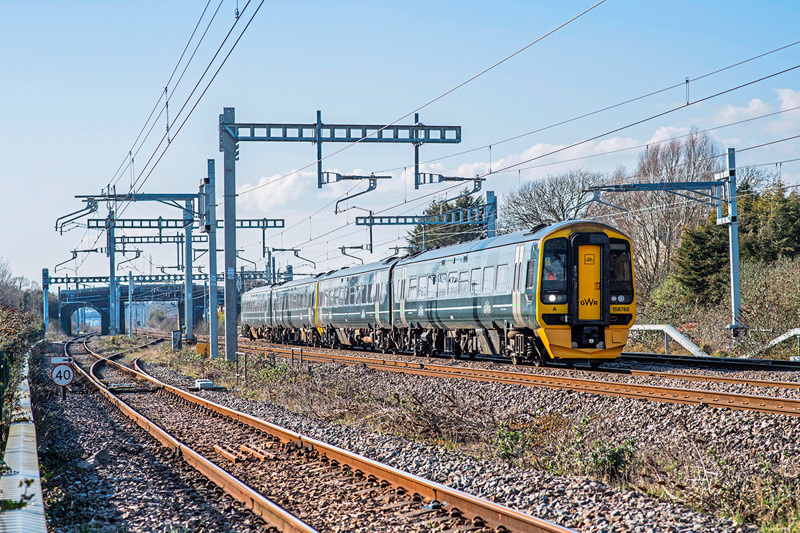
column 354, row 306
column 561, row 291
column 256, row 312
column 294, row 311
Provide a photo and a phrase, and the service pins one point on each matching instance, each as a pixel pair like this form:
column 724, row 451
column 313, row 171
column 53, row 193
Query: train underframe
column 520, row 345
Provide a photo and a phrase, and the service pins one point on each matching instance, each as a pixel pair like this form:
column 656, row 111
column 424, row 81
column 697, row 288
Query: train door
column 590, row 297
column 589, row 280
column 517, row 286
column 376, row 297
column 401, row 296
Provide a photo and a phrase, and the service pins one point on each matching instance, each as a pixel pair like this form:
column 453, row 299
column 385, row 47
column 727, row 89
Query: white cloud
column 732, row 113
column 274, row 191
column 665, row 133
column 786, row 123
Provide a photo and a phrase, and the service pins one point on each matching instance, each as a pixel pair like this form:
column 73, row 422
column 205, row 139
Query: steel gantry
column 720, row 194
column 232, row 132
column 485, row 214
column 110, row 223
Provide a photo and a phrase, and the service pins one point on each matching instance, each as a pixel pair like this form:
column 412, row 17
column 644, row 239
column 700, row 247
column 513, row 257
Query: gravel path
column 103, row 473
column 575, row 502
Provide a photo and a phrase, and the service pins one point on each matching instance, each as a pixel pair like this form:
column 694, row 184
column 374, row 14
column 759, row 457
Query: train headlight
column 555, row 298
column 621, row 298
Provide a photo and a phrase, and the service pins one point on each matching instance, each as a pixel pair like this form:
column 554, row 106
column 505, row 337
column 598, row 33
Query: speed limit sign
column 62, row 375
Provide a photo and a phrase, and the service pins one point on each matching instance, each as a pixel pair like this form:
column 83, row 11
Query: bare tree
column 550, row 199
column 657, row 219
column 12, row 288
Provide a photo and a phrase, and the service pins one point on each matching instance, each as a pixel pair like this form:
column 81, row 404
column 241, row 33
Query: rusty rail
column 765, row 404
column 493, row 514
column 260, row 505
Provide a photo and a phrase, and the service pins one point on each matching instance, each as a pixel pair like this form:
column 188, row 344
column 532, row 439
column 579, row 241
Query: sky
column 78, row 81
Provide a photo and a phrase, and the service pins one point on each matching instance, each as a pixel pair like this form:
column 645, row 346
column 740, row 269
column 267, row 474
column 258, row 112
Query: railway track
column 258, row 348
column 314, row 484
column 727, row 363
column 748, row 402
column 766, row 404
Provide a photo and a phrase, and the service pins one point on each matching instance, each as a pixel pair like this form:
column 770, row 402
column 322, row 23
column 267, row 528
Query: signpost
column 62, row 376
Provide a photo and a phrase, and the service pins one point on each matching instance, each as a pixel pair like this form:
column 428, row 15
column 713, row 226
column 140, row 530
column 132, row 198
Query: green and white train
column 558, row 292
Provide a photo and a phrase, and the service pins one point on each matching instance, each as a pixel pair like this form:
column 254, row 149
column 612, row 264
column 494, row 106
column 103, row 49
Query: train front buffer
column 585, row 303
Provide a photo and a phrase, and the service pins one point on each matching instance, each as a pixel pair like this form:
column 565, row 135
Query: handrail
column 674, row 334
column 777, row 340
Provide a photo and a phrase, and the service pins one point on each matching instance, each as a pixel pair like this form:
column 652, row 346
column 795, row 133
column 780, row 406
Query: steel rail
column 759, row 403
column 766, row 404
column 766, row 383
column 720, row 362
column 491, row 513
column 256, row 502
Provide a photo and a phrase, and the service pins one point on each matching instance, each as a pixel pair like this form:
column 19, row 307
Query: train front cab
column 586, row 299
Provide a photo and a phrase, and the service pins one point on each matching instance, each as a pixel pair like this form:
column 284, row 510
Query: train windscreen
column 621, row 273
column 554, row 270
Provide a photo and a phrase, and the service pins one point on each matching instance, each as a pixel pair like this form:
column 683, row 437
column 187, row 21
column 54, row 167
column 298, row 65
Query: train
column 559, row 292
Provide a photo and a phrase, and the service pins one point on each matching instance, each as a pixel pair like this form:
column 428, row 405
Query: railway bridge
column 97, row 298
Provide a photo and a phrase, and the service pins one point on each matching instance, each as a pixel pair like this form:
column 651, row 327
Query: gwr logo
column 589, row 302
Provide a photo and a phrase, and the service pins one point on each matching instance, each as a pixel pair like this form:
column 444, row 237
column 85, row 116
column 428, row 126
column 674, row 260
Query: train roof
column 262, row 288
column 534, row 234
column 361, row 269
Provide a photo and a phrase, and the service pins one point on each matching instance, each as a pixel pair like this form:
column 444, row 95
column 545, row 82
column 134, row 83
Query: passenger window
column 452, row 284
column 475, row 281
column 488, row 280
column 423, row 287
column 502, row 279
column 530, row 282
column 412, row 289
column 442, row 288
column 371, row 294
column 432, row 287
column 463, row 283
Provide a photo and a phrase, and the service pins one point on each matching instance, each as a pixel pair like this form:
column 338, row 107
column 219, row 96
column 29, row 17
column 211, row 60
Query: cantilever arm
column 74, row 257
column 138, row 254
column 91, row 207
column 345, row 248
column 476, row 187
column 297, row 255
column 373, row 184
column 596, row 198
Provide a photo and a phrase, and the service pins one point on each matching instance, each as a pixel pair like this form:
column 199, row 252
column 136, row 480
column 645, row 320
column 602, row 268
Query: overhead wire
column 642, row 121
column 434, row 100
column 145, row 176
column 187, row 101
column 507, row 169
column 114, row 178
column 761, row 145
column 597, row 111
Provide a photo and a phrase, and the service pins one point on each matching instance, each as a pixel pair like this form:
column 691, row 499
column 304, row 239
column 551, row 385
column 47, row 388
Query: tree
column 769, row 229
column 435, row 236
column 547, row 200
column 14, row 290
column 655, row 220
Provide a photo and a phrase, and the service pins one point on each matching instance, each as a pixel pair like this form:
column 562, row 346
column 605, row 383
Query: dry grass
column 698, row 477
